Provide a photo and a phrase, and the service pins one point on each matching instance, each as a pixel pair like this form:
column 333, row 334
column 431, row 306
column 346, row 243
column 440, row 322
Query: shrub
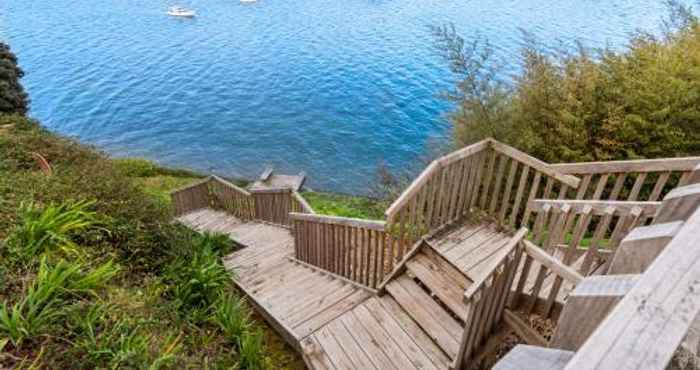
column 233, row 317
column 53, row 289
column 50, row 228
column 197, row 280
column 583, row 105
column 13, row 99
column 252, row 350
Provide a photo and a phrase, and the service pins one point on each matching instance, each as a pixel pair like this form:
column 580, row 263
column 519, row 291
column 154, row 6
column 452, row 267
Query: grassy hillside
column 94, row 275
column 155, row 295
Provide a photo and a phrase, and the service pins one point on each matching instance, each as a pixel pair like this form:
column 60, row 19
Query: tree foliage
column 642, row 102
column 13, row 99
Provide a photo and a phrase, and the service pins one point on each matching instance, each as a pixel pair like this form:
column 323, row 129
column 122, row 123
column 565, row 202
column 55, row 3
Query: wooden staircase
column 416, row 324
column 427, row 287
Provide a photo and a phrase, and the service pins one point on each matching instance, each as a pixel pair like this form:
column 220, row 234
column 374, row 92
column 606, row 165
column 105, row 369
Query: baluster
column 509, row 185
column 497, row 186
column 487, row 180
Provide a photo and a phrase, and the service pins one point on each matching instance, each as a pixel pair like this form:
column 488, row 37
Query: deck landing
column 296, row 299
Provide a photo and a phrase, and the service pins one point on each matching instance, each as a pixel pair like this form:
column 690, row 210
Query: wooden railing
column 441, row 194
column 486, row 300
column 646, row 327
column 646, row 179
column 231, row 198
column 490, row 176
column 271, row 206
column 582, row 235
column 358, row 250
column 536, row 179
column 275, row 205
column 192, row 197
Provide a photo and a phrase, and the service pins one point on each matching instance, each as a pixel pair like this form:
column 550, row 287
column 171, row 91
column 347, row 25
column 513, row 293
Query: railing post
column 586, row 306
column 682, row 201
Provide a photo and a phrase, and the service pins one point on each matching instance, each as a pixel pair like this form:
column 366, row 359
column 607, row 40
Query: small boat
column 248, row 1
column 178, row 11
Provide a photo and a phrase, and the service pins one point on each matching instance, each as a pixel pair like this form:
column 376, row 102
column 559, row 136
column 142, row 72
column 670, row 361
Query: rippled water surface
column 329, row 87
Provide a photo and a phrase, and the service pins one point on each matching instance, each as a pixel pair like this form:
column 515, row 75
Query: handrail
column 545, row 168
column 277, row 205
column 192, row 185
column 337, row 220
column 230, row 185
column 646, row 327
column 191, row 197
column 486, row 300
column 645, row 179
column 475, row 287
column 231, row 198
column 638, row 165
column 465, row 152
column 305, row 206
column 598, row 207
column 420, row 181
column 552, row 263
column 560, row 229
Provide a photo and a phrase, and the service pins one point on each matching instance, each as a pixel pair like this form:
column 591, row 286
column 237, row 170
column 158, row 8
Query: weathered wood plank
column 586, row 306
column 641, row 165
column 438, row 282
column 646, row 327
column 598, row 207
column 352, row 348
column 524, row 357
column 419, row 336
column 397, row 334
column 427, row 313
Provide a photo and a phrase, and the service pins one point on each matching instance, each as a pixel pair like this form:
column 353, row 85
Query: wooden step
column 429, row 315
column 377, row 334
column 442, row 279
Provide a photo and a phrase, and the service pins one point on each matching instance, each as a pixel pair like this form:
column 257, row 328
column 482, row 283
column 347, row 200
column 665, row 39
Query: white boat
column 178, row 11
column 248, row 1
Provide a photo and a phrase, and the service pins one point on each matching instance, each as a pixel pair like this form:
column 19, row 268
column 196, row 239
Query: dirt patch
column 507, row 339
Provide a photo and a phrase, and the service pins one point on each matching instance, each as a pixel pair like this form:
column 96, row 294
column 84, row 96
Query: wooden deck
column 297, row 300
column 337, row 324
column 375, row 294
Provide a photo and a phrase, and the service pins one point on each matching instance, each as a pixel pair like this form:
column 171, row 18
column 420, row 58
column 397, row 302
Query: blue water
column 329, row 87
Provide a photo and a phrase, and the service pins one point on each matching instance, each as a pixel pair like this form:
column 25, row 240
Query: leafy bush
column 583, row 105
column 13, row 99
column 141, row 235
column 233, row 317
column 252, row 350
column 50, row 228
column 197, row 280
column 47, row 298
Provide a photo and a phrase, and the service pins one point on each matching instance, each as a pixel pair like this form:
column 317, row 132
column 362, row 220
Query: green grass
column 327, row 203
column 346, row 205
column 160, row 186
